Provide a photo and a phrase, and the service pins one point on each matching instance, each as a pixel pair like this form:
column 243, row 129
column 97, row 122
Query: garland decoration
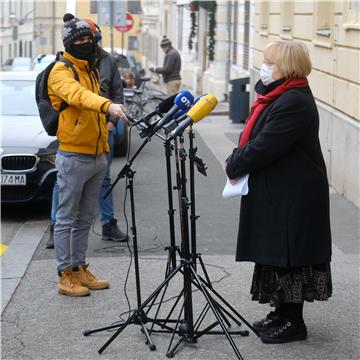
column 192, row 30
column 211, row 7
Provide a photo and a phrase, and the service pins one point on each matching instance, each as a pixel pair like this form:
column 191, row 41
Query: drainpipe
column 228, row 55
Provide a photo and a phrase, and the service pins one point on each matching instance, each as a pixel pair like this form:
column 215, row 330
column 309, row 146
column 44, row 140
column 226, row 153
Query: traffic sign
column 111, row 12
column 129, row 24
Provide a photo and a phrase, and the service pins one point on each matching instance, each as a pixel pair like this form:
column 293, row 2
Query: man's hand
column 117, row 110
column 110, row 125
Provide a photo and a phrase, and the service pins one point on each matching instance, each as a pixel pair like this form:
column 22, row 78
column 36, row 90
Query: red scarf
column 262, row 101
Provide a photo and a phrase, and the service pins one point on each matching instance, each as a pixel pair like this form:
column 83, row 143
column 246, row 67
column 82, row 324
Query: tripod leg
column 170, row 353
column 141, row 308
column 210, row 300
column 232, row 309
column 152, row 346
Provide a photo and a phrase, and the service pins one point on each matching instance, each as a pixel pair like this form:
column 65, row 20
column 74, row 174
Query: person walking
column 284, row 219
column 111, row 88
column 81, row 158
column 171, row 68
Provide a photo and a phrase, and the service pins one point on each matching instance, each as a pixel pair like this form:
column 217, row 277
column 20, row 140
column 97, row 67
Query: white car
column 28, row 153
column 42, row 61
column 17, row 64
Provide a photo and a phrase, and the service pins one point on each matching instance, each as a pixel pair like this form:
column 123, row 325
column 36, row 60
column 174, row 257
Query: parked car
column 27, row 153
column 17, row 64
column 42, row 61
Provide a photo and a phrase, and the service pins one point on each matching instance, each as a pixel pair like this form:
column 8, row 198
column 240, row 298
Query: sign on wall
column 111, row 13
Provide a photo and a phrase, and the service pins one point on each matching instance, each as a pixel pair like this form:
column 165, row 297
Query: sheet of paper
column 238, row 189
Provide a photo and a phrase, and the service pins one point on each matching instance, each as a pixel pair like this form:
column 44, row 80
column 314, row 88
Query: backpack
column 48, row 115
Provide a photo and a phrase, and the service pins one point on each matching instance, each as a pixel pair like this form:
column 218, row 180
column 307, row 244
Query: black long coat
column 284, row 219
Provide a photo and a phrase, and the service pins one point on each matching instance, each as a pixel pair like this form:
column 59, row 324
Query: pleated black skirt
column 277, row 285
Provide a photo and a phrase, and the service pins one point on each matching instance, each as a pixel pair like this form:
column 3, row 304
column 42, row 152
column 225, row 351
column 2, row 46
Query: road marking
column 3, row 248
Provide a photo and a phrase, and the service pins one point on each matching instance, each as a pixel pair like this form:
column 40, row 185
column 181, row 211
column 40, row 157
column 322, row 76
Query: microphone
column 163, row 107
column 178, row 118
column 182, row 101
column 202, row 108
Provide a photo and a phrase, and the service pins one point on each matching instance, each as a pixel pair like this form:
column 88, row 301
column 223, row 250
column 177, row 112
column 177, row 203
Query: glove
column 152, row 69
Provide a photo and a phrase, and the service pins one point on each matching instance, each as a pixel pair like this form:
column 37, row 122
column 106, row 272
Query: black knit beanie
column 74, row 28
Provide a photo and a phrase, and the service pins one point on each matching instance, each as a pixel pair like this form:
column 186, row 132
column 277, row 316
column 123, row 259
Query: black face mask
column 85, row 51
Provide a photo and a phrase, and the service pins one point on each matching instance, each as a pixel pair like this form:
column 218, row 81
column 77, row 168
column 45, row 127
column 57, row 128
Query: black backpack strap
column 70, row 65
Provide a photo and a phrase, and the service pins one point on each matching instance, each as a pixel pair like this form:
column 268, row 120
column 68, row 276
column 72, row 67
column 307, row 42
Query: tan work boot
column 70, row 285
column 87, row 279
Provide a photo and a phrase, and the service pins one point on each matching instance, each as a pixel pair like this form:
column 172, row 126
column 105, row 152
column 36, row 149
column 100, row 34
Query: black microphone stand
column 186, row 328
column 138, row 317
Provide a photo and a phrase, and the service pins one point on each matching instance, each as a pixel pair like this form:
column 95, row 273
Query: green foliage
column 193, row 29
column 210, row 6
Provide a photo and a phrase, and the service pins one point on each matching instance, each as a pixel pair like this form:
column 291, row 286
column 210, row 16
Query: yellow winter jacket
column 82, row 125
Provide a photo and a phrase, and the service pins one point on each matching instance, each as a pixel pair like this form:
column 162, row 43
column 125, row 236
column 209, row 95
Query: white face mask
column 266, row 74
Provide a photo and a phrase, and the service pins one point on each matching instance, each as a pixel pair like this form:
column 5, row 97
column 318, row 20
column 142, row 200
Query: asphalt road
column 40, row 324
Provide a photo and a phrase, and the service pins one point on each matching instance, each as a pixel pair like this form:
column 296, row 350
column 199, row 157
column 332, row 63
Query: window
column 262, row 8
column 133, row 43
column 324, row 11
column 20, row 48
column 93, row 7
column 286, row 18
column 351, row 15
column 134, row 7
column 235, row 31
column 246, row 35
column 180, row 27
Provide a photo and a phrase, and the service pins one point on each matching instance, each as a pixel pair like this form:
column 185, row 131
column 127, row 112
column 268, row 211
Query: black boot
column 110, row 231
column 286, row 332
column 291, row 328
column 272, row 320
column 50, row 242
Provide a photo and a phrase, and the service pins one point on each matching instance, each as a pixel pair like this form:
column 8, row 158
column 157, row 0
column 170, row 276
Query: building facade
column 330, row 30
column 129, row 41
column 30, row 27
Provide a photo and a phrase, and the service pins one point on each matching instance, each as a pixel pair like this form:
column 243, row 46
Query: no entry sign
column 129, row 24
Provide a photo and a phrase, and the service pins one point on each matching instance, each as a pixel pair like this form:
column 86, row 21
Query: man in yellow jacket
column 81, row 158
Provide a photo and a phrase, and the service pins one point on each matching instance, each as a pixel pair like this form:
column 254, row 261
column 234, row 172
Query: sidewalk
column 40, row 324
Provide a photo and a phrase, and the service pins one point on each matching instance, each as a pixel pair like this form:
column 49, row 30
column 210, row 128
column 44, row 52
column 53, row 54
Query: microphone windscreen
column 203, row 107
column 166, row 104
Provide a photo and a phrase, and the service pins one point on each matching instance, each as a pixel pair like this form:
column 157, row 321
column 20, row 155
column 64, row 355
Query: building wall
column 330, row 30
column 16, row 36
column 48, row 26
column 120, row 40
column 38, row 26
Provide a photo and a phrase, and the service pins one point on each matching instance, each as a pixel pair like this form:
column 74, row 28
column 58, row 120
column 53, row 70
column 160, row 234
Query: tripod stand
column 186, row 328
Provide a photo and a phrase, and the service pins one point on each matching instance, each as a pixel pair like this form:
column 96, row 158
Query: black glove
column 152, row 69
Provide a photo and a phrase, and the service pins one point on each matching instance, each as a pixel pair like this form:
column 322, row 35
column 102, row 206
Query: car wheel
column 121, row 139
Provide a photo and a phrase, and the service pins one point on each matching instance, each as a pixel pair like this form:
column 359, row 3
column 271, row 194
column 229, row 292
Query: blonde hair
column 291, row 57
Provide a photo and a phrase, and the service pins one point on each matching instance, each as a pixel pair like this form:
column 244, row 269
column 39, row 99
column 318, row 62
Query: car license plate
column 13, row 179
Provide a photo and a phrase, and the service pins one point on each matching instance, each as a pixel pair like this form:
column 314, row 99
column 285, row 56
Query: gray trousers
column 79, row 178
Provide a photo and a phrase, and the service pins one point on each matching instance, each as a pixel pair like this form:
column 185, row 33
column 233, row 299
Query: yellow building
column 129, row 41
column 330, row 29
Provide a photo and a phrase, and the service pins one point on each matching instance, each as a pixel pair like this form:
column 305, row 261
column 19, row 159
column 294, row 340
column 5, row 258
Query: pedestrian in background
column 284, row 219
column 111, row 88
column 170, row 70
column 81, row 159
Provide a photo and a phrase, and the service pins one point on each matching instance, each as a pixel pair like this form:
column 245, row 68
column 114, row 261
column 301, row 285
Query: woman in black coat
column 284, row 219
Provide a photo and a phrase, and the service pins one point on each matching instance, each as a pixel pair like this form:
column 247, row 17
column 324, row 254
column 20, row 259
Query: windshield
column 18, row 98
